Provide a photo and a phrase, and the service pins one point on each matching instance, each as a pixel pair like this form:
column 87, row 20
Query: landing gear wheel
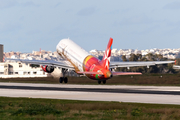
column 104, row 81
column 99, row 82
column 65, row 80
column 61, row 79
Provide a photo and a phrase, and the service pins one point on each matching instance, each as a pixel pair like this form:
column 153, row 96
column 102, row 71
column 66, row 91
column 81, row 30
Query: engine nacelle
column 48, row 69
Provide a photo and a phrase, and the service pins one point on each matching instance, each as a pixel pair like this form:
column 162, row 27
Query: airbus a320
column 83, row 63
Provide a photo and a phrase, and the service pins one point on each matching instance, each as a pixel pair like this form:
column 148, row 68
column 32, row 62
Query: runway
column 121, row 93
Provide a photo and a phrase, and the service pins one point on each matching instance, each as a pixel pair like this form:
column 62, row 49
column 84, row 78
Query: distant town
column 115, row 54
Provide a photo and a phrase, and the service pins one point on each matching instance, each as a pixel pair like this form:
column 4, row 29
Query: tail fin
column 107, row 55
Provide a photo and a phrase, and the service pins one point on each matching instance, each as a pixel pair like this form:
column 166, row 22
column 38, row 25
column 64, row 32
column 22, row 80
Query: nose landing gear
column 65, row 79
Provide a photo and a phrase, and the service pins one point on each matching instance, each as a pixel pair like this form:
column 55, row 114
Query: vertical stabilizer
column 107, row 55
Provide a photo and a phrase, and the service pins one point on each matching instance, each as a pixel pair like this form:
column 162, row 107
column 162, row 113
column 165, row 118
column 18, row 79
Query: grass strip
column 51, row 109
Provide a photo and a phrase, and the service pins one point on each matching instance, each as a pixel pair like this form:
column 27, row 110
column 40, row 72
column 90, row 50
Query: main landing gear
column 104, row 81
column 65, row 79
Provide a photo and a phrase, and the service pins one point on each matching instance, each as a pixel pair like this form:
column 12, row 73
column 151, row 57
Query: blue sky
column 27, row 25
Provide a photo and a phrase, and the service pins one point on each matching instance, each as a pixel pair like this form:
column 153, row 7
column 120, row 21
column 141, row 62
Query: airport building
column 17, row 69
column 11, row 69
column 1, row 53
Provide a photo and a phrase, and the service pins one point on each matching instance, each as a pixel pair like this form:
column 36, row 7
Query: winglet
column 107, row 55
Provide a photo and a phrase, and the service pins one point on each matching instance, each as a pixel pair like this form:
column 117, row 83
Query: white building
column 17, row 69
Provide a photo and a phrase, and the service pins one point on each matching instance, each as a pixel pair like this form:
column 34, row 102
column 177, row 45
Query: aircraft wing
column 62, row 64
column 135, row 64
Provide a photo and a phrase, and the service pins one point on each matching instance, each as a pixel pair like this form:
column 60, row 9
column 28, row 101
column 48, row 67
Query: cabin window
column 20, row 65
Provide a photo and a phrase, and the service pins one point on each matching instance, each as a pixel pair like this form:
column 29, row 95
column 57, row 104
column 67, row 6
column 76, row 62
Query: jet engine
column 48, row 69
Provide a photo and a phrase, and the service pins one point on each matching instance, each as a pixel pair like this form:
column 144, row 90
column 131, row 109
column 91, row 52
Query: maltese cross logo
column 107, row 59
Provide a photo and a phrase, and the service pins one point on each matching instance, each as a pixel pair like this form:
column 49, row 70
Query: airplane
column 83, row 63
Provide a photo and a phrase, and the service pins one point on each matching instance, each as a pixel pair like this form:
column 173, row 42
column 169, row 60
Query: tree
column 144, row 59
column 133, row 57
column 159, row 56
column 162, row 68
column 150, row 56
column 124, row 58
column 139, row 56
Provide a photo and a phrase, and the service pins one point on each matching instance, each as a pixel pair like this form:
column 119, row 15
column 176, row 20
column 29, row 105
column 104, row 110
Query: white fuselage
column 72, row 52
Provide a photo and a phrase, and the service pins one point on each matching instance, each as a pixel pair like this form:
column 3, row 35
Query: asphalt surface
column 122, row 93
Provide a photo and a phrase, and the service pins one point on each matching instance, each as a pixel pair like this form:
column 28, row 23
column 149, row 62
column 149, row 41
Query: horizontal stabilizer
column 126, row 73
column 89, row 73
